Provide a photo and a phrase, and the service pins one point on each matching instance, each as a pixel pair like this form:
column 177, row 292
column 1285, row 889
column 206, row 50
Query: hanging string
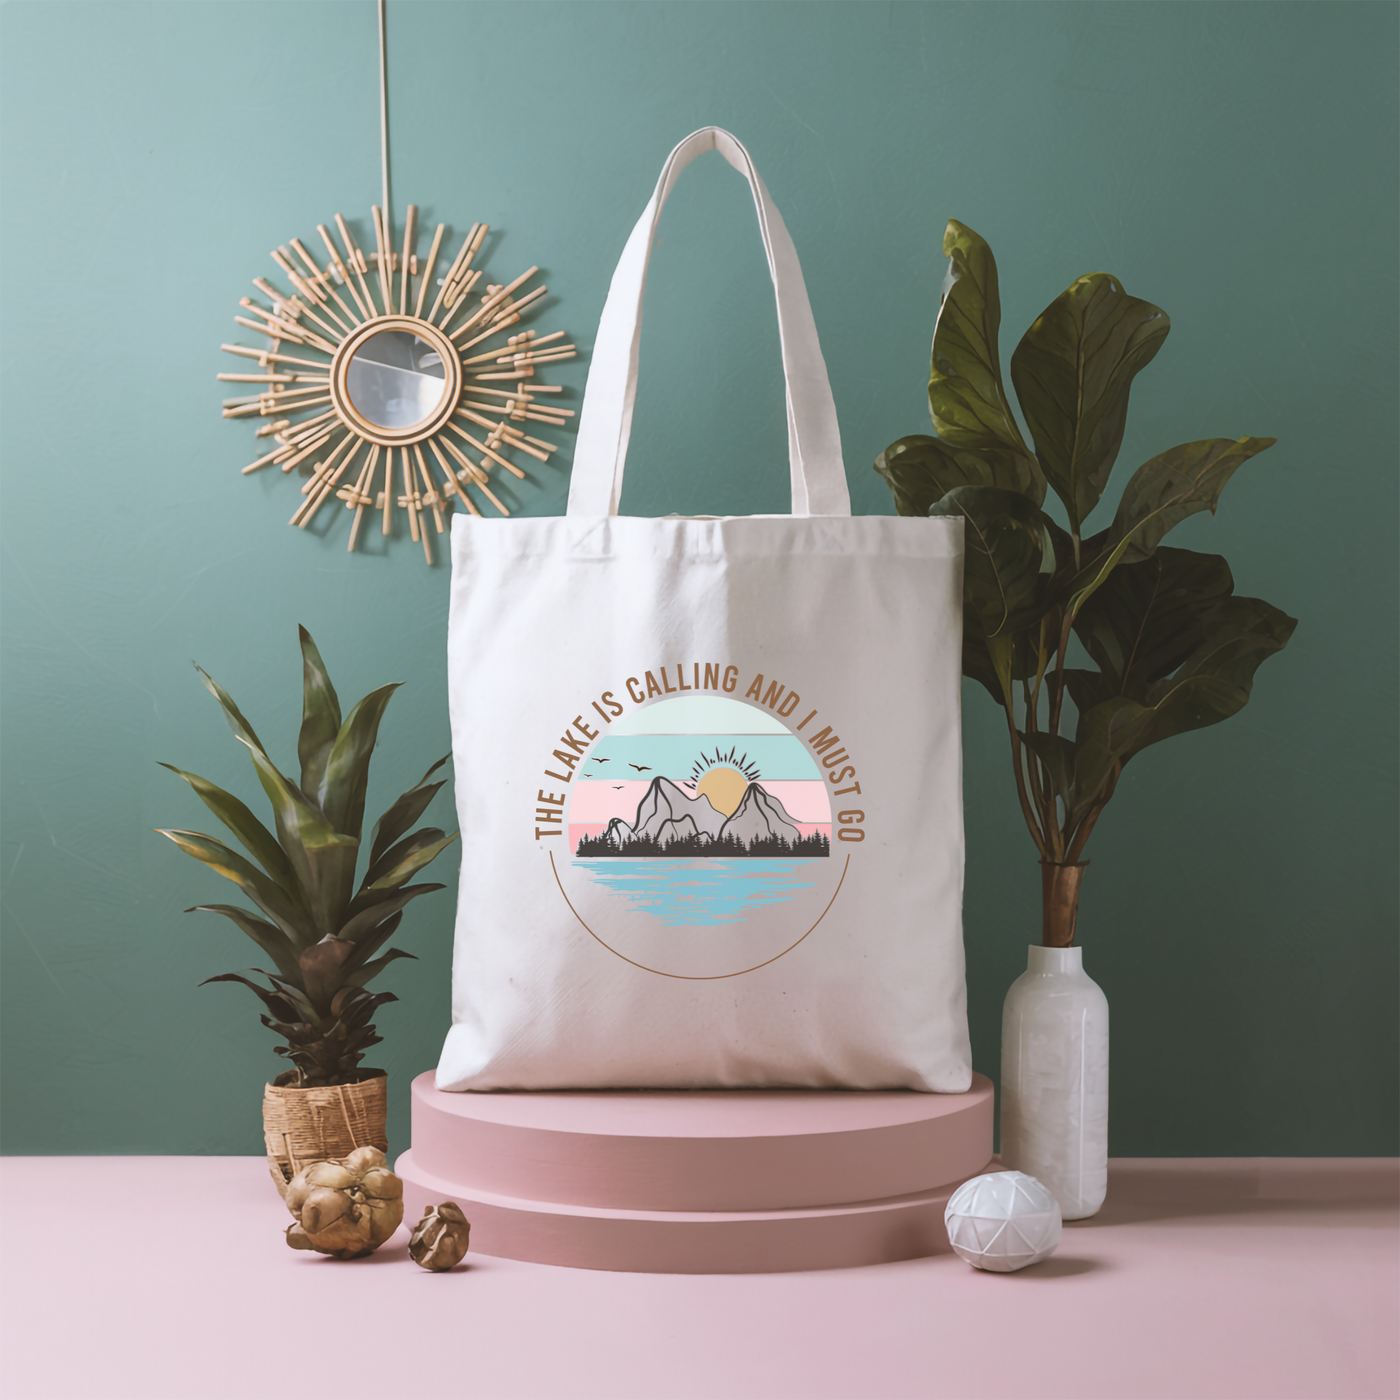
column 384, row 120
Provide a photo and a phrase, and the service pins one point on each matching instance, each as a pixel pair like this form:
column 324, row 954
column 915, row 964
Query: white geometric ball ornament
column 1002, row 1222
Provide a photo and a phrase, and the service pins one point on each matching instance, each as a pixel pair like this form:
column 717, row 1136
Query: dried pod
column 439, row 1239
column 345, row 1209
column 298, row 1238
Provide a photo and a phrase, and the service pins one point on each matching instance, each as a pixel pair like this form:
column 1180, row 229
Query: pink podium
column 698, row 1181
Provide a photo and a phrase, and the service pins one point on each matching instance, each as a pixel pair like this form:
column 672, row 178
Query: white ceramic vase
column 1054, row 1079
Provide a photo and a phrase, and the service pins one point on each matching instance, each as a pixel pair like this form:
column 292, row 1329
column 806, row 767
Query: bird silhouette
column 600, row 760
column 617, row 787
column 640, row 767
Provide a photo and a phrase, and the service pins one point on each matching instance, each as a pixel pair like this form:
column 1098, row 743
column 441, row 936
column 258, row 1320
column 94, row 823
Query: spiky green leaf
column 404, row 811
column 370, row 908
column 372, row 940
column 267, row 936
column 320, row 715
column 232, row 714
column 341, row 795
column 322, row 968
column 282, row 1004
column 412, row 862
column 287, row 913
column 370, row 970
column 322, row 857
column 397, row 854
column 255, row 838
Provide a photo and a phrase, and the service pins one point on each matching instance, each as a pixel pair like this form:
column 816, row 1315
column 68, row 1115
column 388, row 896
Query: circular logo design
column 699, row 833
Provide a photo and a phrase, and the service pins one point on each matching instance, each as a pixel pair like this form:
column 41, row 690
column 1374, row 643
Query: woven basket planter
column 321, row 1125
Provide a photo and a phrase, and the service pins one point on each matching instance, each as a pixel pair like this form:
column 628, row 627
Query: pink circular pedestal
column 698, row 1181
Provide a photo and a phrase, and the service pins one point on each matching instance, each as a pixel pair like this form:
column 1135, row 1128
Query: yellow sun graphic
column 723, row 779
column 725, row 788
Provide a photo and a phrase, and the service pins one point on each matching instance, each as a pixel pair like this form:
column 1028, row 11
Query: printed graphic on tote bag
column 699, row 827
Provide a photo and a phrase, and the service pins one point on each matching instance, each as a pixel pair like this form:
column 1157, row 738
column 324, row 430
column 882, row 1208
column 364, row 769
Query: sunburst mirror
column 382, row 404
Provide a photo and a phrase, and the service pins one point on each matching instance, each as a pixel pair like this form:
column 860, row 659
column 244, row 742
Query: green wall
column 1234, row 163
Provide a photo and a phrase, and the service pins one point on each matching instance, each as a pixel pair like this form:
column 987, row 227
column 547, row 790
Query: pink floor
column 165, row 1278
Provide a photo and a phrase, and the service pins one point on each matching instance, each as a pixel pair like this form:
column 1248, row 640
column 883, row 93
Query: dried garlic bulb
column 345, row 1209
column 439, row 1239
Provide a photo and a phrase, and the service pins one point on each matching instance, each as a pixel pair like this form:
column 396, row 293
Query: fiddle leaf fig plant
column 320, row 930
column 1174, row 648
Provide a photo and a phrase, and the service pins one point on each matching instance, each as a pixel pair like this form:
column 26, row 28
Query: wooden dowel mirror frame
column 487, row 418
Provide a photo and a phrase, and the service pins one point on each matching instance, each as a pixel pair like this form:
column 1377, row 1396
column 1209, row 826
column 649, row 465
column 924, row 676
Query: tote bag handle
column 605, row 423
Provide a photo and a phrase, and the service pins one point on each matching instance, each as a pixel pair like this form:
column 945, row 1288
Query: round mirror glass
column 395, row 380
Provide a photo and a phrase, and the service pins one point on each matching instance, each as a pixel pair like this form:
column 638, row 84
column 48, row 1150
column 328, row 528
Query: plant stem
column 1036, row 834
column 1042, row 789
column 1086, row 827
column 1057, row 685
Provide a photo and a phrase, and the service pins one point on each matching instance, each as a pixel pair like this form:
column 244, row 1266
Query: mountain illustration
column 670, row 822
column 760, row 816
column 667, row 811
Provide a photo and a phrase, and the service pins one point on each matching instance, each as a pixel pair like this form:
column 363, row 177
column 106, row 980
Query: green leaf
column 255, row 838
column 405, row 811
column 1056, row 755
column 1162, row 493
column 370, row 908
column 368, row 945
column 966, row 399
column 1072, row 371
column 1240, row 634
column 414, row 858
column 232, row 713
column 1088, row 688
column 1008, row 556
column 1147, row 618
column 320, row 715
column 1213, row 683
column 424, row 836
column 354, row 1006
column 1174, row 485
column 322, row 969
column 371, row 970
column 285, row 1006
column 1101, row 743
column 979, row 666
column 267, row 936
column 341, row 795
column 977, row 661
column 1003, row 564
column 323, row 858
column 287, row 913
column 920, row 470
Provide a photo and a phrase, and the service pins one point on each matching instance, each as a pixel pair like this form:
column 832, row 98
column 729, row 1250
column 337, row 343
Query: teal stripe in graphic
column 777, row 756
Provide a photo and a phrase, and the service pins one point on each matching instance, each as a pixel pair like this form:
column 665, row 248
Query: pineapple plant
column 322, row 932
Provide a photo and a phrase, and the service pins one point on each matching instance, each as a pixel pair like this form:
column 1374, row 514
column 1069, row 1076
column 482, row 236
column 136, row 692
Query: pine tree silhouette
column 726, row 847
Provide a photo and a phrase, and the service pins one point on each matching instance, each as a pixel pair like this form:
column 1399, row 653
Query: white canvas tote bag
column 708, row 771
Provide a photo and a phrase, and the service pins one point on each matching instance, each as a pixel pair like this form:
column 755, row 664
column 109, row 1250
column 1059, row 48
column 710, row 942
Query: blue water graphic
column 681, row 892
